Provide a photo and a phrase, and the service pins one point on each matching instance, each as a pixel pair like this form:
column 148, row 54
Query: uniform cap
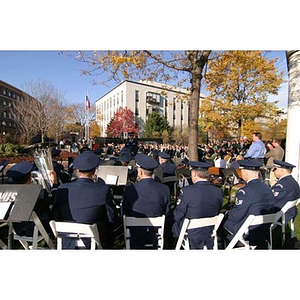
column 283, row 164
column 164, row 155
column 19, row 170
column 154, row 152
column 199, row 165
column 55, row 152
column 125, row 150
column 126, row 157
column 98, row 151
column 145, row 162
column 86, row 161
column 249, row 164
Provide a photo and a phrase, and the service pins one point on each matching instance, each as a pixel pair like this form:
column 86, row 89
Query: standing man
column 199, row 200
column 257, row 149
column 277, row 153
column 86, row 201
column 255, row 198
column 146, row 198
column 132, row 143
column 286, row 189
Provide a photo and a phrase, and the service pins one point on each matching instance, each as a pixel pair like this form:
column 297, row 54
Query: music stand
column 23, row 197
column 113, row 175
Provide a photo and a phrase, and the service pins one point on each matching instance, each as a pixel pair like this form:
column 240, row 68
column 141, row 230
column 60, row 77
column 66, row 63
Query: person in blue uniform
column 86, row 200
column 146, row 198
column 200, row 200
column 286, row 189
column 167, row 166
column 63, row 176
column 254, row 198
column 20, row 173
column 132, row 143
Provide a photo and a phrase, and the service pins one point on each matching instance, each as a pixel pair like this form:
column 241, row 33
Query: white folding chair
column 282, row 222
column 76, row 231
column 158, row 222
column 253, row 220
column 198, row 223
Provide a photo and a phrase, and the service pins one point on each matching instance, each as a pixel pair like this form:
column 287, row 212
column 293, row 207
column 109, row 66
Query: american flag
column 87, row 102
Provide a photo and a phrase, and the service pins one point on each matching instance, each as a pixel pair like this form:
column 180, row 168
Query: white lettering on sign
column 8, row 196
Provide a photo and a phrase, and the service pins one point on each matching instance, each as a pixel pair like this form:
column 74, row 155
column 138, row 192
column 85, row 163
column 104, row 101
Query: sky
column 20, row 68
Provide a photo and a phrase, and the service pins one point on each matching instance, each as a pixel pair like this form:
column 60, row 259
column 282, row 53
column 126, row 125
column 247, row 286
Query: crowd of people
column 78, row 195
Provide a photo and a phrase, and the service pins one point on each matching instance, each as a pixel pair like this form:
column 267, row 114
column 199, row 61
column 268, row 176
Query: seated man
column 200, row 200
column 255, row 198
column 286, row 189
column 167, row 166
column 86, row 200
column 20, row 173
column 146, row 198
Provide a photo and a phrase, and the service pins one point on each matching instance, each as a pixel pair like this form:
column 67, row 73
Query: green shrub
column 10, row 149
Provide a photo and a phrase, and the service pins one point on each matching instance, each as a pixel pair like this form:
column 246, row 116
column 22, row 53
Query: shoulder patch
column 238, row 202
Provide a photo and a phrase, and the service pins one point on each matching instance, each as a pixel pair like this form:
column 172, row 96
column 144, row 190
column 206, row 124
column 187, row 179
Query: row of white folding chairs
column 275, row 219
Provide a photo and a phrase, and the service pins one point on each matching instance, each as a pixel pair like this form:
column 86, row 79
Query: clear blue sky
column 19, row 68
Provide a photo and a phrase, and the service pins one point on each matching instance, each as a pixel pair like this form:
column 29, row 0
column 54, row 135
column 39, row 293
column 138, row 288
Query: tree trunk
column 292, row 154
column 194, row 114
column 198, row 61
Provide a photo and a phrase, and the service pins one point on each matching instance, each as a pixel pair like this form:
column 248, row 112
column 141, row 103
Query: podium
column 17, row 203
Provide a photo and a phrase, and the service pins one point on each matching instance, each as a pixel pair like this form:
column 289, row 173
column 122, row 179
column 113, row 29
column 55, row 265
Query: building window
column 4, row 114
column 122, row 99
column 9, row 93
column 152, row 98
column 137, row 96
column 118, row 100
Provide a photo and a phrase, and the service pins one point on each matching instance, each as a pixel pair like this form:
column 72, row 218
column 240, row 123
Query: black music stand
column 23, row 198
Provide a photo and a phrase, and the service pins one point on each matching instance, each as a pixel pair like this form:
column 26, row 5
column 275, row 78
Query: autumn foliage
column 123, row 121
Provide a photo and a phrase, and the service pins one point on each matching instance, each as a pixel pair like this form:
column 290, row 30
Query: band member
column 86, row 201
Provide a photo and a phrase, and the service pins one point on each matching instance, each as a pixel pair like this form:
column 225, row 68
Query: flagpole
column 87, row 104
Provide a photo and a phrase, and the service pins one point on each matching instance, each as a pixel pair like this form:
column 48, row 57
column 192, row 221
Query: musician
column 254, row 198
column 62, row 175
column 86, row 201
column 286, row 189
column 167, row 166
column 146, row 198
column 20, row 173
column 200, row 200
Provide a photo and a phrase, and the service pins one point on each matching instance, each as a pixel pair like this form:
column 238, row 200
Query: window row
column 11, row 94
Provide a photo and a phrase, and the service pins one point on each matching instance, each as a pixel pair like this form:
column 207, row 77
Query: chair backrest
column 198, row 223
column 253, row 220
column 158, row 222
column 76, row 231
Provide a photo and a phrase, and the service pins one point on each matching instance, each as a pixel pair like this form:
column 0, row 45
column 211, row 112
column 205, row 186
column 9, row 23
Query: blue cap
column 126, row 157
column 164, row 155
column 55, row 152
column 250, row 164
column 154, row 152
column 125, row 150
column 86, row 161
column 199, row 165
column 19, row 170
column 146, row 162
column 283, row 164
column 98, row 151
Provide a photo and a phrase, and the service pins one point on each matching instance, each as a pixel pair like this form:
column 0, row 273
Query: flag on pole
column 87, row 102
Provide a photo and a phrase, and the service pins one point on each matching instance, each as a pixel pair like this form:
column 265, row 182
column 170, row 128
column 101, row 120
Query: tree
column 175, row 67
column 239, row 83
column 122, row 121
column 42, row 111
column 156, row 126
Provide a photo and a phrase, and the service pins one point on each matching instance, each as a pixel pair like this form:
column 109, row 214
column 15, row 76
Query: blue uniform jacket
column 255, row 198
column 286, row 189
column 199, row 200
column 147, row 198
column 86, row 201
